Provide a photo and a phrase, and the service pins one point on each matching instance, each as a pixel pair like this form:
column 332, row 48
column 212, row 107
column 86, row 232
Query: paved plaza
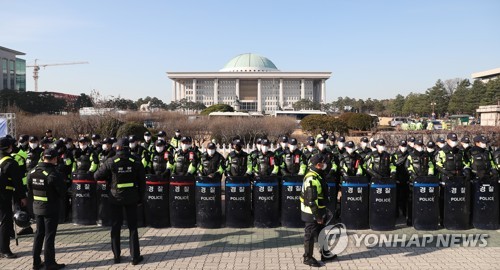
column 88, row 247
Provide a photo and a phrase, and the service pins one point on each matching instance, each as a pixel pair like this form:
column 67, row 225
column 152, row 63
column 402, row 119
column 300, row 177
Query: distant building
column 252, row 83
column 490, row 115
column 486, row 75
column 12, row 70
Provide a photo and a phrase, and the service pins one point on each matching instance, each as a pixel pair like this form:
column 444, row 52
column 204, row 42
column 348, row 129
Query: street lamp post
column 433, row 113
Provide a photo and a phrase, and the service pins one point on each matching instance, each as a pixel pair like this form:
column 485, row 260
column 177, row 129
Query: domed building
column 252, row 82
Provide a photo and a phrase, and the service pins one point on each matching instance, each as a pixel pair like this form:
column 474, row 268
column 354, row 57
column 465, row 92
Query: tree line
column 455, row 96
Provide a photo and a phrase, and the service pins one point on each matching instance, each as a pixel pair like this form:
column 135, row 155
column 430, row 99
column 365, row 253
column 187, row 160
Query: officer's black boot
column 327, row 256
column 308, row 255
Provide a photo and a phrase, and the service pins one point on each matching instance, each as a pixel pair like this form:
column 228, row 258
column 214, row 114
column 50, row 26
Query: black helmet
column 22, row 219
column 96, row 137
column 23, row 138
column 161, row 133
column 431, row 144
column 133, row 138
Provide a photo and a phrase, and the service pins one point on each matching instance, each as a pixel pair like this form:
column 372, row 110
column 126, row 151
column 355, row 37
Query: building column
column 177, row 91
column 183, row 90
column 237, row 89
column 259, row 96
column 282, row 98
column 323, row 91
column 216, row 91
column 174, row 91
column 302, row 89
column 194, row 90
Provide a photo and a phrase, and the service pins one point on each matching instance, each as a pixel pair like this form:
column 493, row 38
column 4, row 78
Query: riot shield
column 266, row 202
column 382, row 204
column 182, row 205
column 354, row 209
column 425, row 205
column 208, row 202
column 291, row 187
column 238, row 202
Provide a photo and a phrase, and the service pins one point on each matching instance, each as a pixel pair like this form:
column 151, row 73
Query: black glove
column 468, row 175
column 494, row 174
column 393, row 176
column 227, row 174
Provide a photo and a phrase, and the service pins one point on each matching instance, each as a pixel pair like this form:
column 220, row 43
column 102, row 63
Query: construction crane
column 36, row 68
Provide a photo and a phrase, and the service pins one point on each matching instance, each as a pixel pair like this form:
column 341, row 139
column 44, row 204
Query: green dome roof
column 249, row 62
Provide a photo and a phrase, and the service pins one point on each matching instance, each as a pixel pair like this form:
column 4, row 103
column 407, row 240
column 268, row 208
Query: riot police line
column 263, row 188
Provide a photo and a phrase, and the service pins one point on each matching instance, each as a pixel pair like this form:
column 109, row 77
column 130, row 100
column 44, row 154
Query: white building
column 250, row 82
column 487, row 75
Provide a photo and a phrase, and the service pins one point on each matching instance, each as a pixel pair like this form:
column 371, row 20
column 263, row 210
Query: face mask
column 374, row 149
column 185, row 146
column 147, row 138
column 465, row 145
column 33, row 145
column 292, row 147
column 403, row 149
column 430, row 150
column 411, row 144
column 105, row 147
column 211, row 152
column 483, row 145
column 264, row 149
column 284, row 145
column 341, row 144
column 324, row 166
column 440, row 145
column 159, row 149
column 132, row 145
column 68, row 145
column 95, row 143
column 24, row 143
column 418, row 149
column 310, row 148
column 177, row 134
column 453, row 143
column 381, row 148
column 259, row 146
column 321, row 146
column 363, row 145
column 349, row 150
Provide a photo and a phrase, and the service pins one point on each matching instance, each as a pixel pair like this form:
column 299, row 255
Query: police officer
column 125, row 176
column 212, row 163
column 48, row 135
column 23, row 142
column 140, row 153
column 107, row 150
column 293, row 161
column 313, row 200
column 331, row 159
column 465, row 145
column 185, row 159
column 364, row 147
column 280, row 151
column 431, row 149
column 440, row 143
column 70, row 146
column 351, row 162
column 310, row 150
column 34, row 153
column 322, row 134
column 419, row 163
column 161, row 156
column 380, row 164
column 451, row 162
column 265, row 164
column 237, row 161
column 10, row 184
column 340, row 146
column 46, row 188
column 86, row 159
column 482, row 162
column 402, row 176
column 148, row 143
column 411, row 144
column 96, row 143
column 252, row 156
column 176, row 139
